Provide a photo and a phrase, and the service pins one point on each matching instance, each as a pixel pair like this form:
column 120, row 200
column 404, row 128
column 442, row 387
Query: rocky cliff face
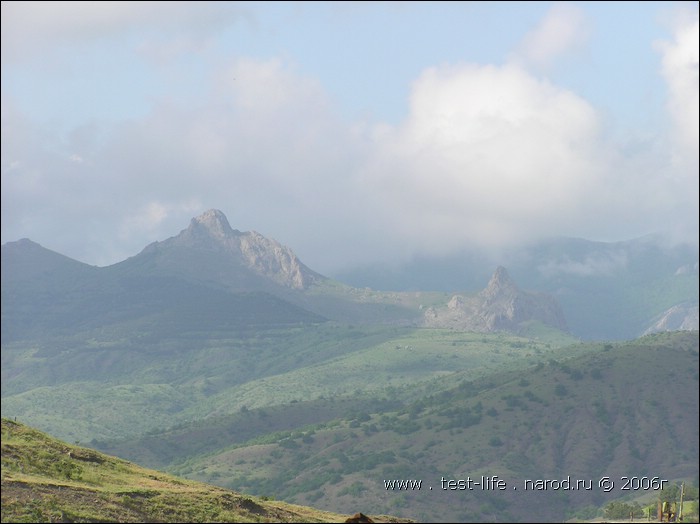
column 502, row 306
column 683, row 317
column 263, row 256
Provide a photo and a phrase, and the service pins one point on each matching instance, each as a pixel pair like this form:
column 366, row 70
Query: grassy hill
column 47, row 480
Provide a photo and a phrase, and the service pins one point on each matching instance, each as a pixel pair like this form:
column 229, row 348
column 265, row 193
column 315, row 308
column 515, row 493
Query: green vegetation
column 141, row 383
column 46, row 480
column 488, row 423
column 322, row 414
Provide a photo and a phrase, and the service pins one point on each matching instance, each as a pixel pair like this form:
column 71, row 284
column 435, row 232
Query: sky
column 353, row 132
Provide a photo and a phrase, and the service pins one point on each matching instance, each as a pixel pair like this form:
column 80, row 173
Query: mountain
column 36, row 284
column 25, row 261
column 46, row 295
column 211, row 251
column 47, row 480
column 209, row 266
column 206, row 275
column 683, row 317
column 502, row 306
column 607, row 290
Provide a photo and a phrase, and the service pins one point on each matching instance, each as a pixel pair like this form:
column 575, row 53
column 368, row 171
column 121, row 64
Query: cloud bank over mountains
column 487, row 154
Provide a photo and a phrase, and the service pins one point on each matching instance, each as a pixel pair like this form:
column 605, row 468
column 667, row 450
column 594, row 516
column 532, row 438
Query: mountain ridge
column 210, row 254
column 264, row 256
column 607, row 291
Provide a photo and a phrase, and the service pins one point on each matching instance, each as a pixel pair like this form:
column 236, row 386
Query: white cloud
column 150, row 217
column 679, row 68
column 564, row 29
column 490, row 155
column 33, row 28
column 595, row 264
column 487, row 154
column 264, row 146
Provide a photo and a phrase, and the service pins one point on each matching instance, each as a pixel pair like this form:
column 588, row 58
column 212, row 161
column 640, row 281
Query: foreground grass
column 47, row 480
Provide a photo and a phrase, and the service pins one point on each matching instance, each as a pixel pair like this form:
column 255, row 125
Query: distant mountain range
column 607, row 290
column 599, row 291
column 212, row 273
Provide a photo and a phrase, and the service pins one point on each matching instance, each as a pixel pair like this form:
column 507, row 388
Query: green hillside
column 618, row 410
column 47, row 480
column 106, row 384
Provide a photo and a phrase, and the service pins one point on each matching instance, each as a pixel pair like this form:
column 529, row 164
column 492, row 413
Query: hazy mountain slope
column 683, row 317
column 46, row 295
column 607, row 290
column 211, row 253
column 628, row 409
column 46, row 480
column 27, row 262
column 502, row 306
column 147, row 307
column 35, row 282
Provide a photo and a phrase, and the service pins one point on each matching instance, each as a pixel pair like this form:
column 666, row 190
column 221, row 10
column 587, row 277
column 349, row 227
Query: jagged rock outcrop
column 502, row 306
column 682, row 317
column 249, row 250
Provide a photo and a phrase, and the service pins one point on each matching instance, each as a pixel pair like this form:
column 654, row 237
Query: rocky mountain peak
column 213, row 223
column 244, row 253
column 501, row 306
column 500, row 285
